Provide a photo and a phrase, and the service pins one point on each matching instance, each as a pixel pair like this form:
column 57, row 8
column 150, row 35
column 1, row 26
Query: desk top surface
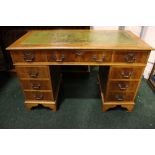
column 79, row 39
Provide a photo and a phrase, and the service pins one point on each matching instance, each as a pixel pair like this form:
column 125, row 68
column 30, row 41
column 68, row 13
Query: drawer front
column 96, row 56
column 130, row 57
column 35, row 95
column 123, row 86
column 79, row 56
column 32, row 72
column 29, row 56
column 120, row 97
column 36, row 84
column 62, row 56
column 126, row 72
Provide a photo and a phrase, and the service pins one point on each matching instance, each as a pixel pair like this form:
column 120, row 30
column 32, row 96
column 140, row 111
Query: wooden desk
column 38, row 55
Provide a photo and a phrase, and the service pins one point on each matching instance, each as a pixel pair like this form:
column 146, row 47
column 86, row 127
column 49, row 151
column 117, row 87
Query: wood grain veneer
column 38, row 54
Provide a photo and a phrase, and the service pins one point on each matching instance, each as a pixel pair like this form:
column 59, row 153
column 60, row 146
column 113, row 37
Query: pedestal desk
column 120, row 55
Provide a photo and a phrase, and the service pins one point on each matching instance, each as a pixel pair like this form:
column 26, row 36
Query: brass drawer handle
column 61, row 59
column 36, row 86
column 119, row 97
column 130, row 57
column 28, row 56
column 126, row 74
column 38, row 96
column 78, row 53
column 94, row 58
column 122, row 86
column 33, row 74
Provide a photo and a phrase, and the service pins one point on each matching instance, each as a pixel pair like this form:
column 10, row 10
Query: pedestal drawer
column 29, row 56
column 118, row 96
column 35, row 95
column 123, row 86
column 125, row 72
column 32, row 72
column 36, row 84
column 130, row 56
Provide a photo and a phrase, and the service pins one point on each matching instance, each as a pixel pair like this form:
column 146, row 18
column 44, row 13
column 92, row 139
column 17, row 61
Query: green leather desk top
column 79, row 39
